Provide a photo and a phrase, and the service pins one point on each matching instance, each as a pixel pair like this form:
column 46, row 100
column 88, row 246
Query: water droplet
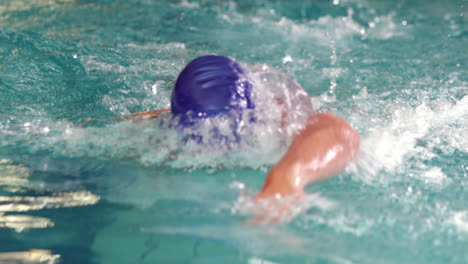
column 154, row 88
column 287, row 59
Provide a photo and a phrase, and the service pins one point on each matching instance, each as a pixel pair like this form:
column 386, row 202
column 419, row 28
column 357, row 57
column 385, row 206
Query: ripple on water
column 40, row 77
column 15, row 180
column 394, row 73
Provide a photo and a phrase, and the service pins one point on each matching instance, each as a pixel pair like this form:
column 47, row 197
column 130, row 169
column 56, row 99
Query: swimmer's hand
column 144, row 115
column 276, row 209
column 322, row 149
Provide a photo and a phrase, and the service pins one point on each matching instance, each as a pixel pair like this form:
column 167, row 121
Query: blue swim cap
column 210, row 85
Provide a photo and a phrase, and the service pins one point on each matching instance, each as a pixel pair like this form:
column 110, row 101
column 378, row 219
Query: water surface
column 116, row 192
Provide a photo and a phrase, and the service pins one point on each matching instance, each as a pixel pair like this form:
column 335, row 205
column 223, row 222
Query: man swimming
column 215, row 85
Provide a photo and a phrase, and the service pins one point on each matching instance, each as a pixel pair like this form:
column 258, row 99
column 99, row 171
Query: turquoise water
column 119, row 192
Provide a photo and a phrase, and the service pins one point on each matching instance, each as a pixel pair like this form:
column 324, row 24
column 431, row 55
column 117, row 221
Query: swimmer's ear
column 144, row 115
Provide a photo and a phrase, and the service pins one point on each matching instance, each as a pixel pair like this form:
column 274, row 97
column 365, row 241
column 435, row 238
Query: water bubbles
column 460, row 220
column 240, row 186
column 321, row 30
column 382, row 27
column 259, row 261
column 372, row 67
column 154, row 88
column 410, row 189
column 278, row 209
column 287, row 59
column 435, row 176
column 243, row 142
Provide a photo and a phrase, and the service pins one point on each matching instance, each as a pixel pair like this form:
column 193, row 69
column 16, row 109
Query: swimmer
column 213, row 85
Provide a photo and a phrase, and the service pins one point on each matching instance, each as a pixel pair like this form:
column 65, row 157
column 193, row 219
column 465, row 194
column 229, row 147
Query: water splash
column 154, row 142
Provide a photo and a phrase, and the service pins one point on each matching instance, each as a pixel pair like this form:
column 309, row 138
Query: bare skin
column 145, row 115
column 321, row 150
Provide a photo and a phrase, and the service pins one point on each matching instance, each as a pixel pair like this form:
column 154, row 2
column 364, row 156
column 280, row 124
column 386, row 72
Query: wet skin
column 322, row 149
column 319, row 151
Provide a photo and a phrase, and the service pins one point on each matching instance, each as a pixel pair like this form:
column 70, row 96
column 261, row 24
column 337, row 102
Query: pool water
column 123, row 192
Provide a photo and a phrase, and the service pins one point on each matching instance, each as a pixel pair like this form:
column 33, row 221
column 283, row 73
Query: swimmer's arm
column 137, row 116
column 321, row 150
column 145, row 115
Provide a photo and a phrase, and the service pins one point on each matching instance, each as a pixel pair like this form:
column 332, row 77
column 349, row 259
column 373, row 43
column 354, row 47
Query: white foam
column 384, row 27
column 282, row 107
column 187, row 4
column 460, row 220
column 277, row 209
column 435, row 176
column 260, row 261
column 389, row 142
column 322, row 29
column 343, row 221
column 328, row 28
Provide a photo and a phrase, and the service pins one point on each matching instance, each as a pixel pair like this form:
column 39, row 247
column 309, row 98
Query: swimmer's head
column 211, row 85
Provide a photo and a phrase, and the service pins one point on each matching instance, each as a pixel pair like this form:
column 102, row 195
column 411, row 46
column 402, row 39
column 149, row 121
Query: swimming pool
column 110, row 192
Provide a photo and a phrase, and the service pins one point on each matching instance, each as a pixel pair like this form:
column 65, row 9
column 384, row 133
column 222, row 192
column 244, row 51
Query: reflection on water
column 22, row 222
column 395, row 71
column 28, row 203
column 15, row 178
column 29, row 257
column 259, row 261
